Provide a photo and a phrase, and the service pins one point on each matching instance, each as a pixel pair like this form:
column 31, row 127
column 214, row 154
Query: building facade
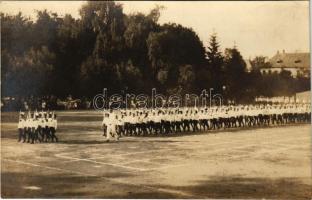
column 296, row 63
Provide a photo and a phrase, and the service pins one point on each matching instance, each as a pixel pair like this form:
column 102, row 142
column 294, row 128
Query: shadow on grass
column 61, row 186
column 240, row 187
column 15, row 185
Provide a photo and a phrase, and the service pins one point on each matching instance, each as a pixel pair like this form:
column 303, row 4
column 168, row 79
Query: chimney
column 277, row 52
column 283, row 51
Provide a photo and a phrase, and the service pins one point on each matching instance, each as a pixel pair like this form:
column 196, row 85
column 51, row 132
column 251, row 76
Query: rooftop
column 290, row 60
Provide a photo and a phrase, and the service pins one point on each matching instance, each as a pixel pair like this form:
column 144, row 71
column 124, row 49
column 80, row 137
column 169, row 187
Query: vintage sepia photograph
column 156, row 100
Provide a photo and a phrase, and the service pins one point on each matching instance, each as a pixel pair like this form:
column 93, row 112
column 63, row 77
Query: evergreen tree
column 215, row 63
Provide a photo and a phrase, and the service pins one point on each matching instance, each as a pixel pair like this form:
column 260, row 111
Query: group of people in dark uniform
column 37, row 127
column 165, row 121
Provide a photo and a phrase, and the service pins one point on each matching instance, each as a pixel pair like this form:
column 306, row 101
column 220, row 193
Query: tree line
column 105, row 48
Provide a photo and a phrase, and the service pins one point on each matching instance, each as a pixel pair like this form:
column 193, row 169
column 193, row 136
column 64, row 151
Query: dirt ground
column 270, row 163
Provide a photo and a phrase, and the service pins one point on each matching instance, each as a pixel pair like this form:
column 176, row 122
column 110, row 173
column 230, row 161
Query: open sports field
column 270, row 162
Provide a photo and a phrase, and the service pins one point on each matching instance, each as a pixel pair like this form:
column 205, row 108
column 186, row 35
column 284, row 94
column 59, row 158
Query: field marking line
column 280, row 142
column 104, row 163
column 112, row 155
column 253, row 140
column 169, row 166
column 119, row 156
column 118, row 163
column 47, row 167
column 165, row 149
column 147, row 160
column 134, row 153
column 122, row 164
column 127, row 167
column 109, row 179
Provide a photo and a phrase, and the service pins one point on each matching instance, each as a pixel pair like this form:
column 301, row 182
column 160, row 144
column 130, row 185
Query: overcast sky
column 258, row 28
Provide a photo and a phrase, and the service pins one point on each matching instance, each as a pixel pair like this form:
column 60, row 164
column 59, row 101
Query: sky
column 256, row 28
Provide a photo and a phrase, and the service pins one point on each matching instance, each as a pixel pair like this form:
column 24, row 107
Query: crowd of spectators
column 49, row 102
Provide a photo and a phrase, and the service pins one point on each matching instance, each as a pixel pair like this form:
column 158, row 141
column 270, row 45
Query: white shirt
column 28, row 123
column 34, row 123
column 42, row 122
column 157, row 118
column 21, row 123
column 50, row 122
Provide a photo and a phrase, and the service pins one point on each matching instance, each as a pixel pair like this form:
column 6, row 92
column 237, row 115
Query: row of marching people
column 37, row 127
column 166, row 121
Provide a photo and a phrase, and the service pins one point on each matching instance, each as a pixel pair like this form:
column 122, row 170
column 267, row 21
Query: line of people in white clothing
column 37, row 127
column 164, row 121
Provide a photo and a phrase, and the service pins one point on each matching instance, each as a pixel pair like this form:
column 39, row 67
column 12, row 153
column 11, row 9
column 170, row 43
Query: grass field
column 271, row 162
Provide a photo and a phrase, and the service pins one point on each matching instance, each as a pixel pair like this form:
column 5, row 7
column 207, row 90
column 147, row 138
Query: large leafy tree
column 259, row 62
column 61, row 55
column 138, row 28
column 45, row 30
column 68, row 50
column 16, row 33
column 101, row 67
column 29, row 73
column 171, row 48
column 106, row 19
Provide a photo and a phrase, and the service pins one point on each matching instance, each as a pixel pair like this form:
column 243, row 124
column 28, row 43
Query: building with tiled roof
column 296, row 63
